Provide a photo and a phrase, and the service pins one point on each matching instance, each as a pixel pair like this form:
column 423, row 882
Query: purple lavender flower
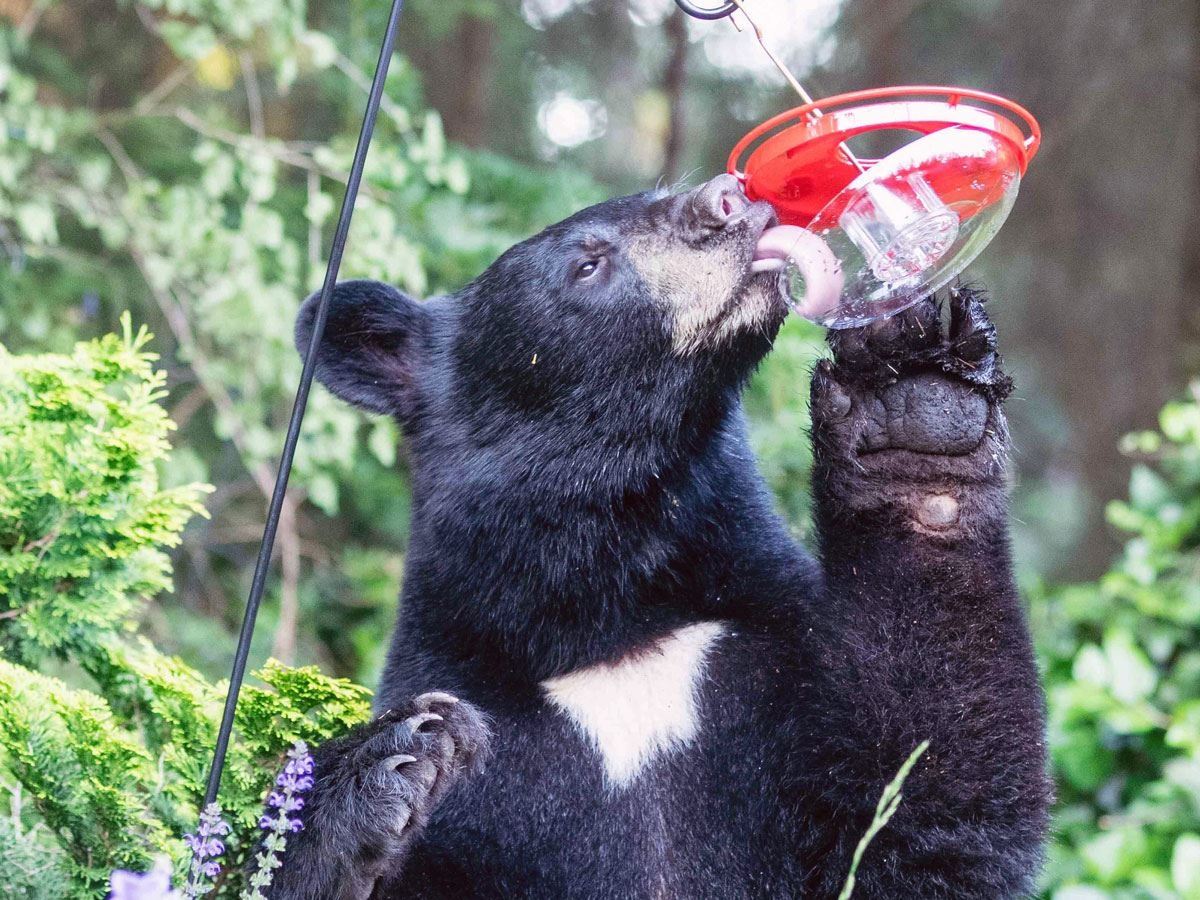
column 206, row 846
column 153, row 885
column 281, row 820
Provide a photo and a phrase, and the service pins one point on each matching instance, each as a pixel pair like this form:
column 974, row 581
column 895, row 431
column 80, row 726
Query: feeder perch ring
column 796, row 159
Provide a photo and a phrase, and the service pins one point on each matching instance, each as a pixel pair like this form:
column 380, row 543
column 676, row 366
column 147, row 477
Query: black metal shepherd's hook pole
column 261, row 567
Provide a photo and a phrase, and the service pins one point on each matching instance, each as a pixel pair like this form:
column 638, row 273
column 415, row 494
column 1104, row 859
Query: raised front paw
column 374, row 789
column 907, row 415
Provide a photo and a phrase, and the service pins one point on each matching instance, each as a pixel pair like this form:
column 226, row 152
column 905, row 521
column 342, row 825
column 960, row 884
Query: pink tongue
column 820, row 269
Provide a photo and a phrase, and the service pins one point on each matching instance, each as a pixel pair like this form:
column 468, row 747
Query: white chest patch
column 642, row 706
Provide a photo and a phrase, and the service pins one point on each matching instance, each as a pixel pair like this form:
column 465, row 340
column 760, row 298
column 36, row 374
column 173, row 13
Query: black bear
column 629, row 680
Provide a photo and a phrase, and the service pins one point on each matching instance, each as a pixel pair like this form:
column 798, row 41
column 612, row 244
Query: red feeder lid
column 795, row 162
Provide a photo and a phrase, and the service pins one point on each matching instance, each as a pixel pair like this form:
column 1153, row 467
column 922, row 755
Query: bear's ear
column 371, row 349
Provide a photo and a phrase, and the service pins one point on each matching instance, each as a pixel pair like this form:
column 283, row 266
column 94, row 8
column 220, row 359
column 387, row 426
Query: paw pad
column 938, row 511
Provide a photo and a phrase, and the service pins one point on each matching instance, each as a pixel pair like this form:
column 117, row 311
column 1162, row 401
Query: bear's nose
column 715, row 203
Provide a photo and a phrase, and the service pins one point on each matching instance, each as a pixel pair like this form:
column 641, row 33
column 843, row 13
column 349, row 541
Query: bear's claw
column 884, row 350
column 373, row 790
column 416, row 722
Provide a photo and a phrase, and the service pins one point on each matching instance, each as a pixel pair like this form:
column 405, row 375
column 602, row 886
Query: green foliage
column 34, row 865
column 1122, row 661
column 86, row 775
column 777, row 407
column 82, row 516
column 110, row 753
column 224, row 228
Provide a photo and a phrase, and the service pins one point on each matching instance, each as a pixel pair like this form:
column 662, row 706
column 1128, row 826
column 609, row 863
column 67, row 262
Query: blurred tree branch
column 673, row 83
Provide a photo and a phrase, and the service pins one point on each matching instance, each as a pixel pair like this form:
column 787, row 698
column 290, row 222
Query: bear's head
column 627, row 327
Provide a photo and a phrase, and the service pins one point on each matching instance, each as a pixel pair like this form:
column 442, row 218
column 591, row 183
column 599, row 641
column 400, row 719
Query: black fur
column 583, row 486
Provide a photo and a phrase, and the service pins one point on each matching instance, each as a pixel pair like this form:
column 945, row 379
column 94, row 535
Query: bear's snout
column 715, row 204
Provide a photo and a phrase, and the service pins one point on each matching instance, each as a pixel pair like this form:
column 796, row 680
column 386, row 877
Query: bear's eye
column 587, row 269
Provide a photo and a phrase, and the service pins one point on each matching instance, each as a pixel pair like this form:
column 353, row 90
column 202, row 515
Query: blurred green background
column 183, row 159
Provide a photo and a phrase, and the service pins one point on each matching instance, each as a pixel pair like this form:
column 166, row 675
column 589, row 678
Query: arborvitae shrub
column 104, row 741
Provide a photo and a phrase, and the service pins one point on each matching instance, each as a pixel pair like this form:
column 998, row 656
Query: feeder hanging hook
column 704, row 12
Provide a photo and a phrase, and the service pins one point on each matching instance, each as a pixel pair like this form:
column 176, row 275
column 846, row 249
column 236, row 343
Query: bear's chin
column 757, row 312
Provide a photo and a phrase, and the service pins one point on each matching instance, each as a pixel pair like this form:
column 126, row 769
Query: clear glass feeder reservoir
column 898, row 239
